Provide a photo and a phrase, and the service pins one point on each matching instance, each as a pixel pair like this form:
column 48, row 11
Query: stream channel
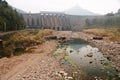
column 84, row 62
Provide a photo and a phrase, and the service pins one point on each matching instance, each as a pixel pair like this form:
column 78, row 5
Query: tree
column 9, row 18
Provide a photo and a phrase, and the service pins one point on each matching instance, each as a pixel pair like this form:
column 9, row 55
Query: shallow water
column 96, row 67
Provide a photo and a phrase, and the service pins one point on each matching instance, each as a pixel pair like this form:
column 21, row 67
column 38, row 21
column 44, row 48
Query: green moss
column 59, row 51
column 70, row 61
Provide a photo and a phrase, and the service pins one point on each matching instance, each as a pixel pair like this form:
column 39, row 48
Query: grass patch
column 112, row 33
column 23, row 39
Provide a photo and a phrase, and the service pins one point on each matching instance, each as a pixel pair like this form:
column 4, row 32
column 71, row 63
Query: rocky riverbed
column 110, row 49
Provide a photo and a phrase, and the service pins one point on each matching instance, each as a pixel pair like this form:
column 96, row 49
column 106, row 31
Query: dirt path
column 39, row 65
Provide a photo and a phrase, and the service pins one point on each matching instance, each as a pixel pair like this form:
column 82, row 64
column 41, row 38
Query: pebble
column 95, row 77
column 63, row 73
column 75, row 72
column 70, row 77
column 90, row 55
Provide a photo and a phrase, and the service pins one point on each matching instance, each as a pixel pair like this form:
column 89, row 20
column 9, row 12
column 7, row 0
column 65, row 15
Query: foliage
column 9, row 18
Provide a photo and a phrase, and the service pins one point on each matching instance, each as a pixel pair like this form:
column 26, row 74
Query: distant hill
column 77, row 10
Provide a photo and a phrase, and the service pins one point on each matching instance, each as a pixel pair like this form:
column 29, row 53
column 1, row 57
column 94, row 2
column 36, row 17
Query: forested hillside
column 9, row 18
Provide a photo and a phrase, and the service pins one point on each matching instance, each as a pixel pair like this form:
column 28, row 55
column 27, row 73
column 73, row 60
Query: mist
column 96, row 6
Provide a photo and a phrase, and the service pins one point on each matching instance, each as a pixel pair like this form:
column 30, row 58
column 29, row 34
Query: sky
column 96, row 6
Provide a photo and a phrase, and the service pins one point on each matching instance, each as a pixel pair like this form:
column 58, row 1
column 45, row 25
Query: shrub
column 17, row 42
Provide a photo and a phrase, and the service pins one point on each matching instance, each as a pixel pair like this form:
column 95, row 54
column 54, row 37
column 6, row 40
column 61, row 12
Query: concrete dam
column 54, row 20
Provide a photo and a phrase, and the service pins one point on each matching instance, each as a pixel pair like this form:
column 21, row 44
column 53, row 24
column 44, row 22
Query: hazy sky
column 96, row 6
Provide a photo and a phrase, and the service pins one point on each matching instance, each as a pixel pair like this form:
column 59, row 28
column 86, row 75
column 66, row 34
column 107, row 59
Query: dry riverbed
column 42, row 65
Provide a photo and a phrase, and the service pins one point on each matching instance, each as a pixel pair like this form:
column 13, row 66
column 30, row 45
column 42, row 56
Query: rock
column 75, row 72
column 63, row 73
column 90, row 62
column 95, row 77
column 98, row 38
column 90, row 55
column 58, row 74
column 102, row 69
column 118, row 75
column 71, row 51
column 70, row 77
column 109, row 58
column 101, row 62
column 62, row 38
